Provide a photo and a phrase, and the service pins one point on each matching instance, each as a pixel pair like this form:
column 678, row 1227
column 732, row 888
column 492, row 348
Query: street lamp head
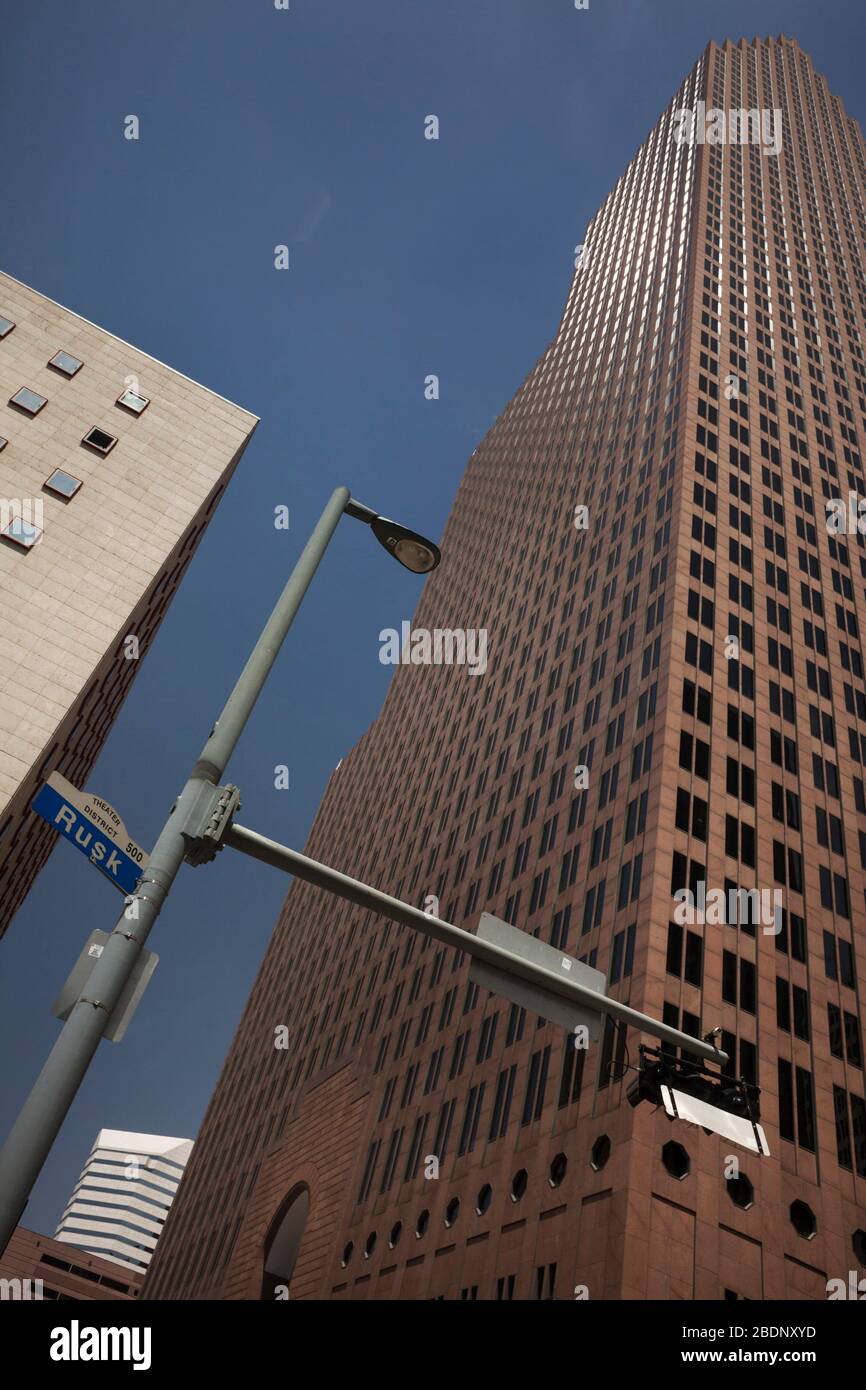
column 415, row 552
column 412, row 550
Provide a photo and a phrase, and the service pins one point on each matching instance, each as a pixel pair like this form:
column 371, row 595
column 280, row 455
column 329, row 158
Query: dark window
column 572, row 1072
column 99, row 440
column 786, row 1100
column 843, row 1132
column 783, row 1004
column 801, row 1012
column 805, row 1110
column 729, row 977
column 694, row 959
column 536, row 1082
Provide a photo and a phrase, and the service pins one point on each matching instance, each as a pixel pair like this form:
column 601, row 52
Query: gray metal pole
column 44, row 1111
column 281, row 857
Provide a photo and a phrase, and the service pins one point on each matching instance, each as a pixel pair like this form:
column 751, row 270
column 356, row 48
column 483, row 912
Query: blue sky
column 408, row 257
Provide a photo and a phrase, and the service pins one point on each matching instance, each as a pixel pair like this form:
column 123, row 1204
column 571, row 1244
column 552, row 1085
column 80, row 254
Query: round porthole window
column 518, row 1184
column 558, row 1168
column 803, row 1220
column 676, row 1160
column 484, row 1198
column 600, row 1153
column 741, row 1192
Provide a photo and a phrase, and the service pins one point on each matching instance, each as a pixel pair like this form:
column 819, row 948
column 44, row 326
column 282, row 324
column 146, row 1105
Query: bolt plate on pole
column 208, row 822
column 535, row 998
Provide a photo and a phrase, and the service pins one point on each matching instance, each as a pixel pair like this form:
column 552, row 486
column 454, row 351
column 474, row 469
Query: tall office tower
column 697, row 649
column 120, row 1202
column 111, row 465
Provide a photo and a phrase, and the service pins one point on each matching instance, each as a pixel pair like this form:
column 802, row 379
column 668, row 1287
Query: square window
column 29, row 401
column 99, row 440
column 22, row 532
column 65, row 363
column 131, row 400
column 62, row 483
column 6, row 326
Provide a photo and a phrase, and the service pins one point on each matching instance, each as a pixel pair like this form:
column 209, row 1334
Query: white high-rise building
column 121, row 1200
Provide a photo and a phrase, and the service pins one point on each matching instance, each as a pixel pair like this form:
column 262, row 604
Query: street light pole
column 45, row 1109
column 198, row 825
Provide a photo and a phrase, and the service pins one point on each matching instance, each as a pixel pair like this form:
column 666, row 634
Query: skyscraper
column 673, row 696
column 120, row 1202
column 111, row 465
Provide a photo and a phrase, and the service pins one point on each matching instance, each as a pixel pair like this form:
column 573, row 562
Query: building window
column 6, row 326
column 99, row 440
column 519, row 1184
column 600, row 1153
column 132, row 401
column 572, row 1073
column 741, row 1191
column 805, row 1109
column 62, row 483
column 29, row 401
column 558, row 1169
column 471, row 1116
column 536, row 1083
column 545, row 1281
column 65, row 363
column 502, row 1103
column 22, row 532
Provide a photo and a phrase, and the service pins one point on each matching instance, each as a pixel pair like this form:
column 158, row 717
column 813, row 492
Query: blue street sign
column 94, row 828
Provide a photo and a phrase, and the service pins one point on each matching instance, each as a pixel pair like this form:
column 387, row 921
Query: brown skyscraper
column 697, row 647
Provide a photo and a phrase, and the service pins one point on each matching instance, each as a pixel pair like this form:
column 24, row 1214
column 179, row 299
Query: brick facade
column 704, row 398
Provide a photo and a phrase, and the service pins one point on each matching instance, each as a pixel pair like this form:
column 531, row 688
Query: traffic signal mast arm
column 281, row 857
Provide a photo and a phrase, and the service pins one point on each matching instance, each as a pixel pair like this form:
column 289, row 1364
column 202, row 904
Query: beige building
column 111, row 466
column 121, row 1200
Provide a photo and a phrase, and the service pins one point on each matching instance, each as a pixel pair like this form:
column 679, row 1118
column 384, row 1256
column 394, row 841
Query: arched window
column 283, row 1244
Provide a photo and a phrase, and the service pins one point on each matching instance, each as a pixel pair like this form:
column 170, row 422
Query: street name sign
column 94, row 828
column 737, row 1128
column 531, row 996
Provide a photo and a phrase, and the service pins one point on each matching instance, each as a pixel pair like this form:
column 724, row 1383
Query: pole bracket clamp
column 208, row 821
